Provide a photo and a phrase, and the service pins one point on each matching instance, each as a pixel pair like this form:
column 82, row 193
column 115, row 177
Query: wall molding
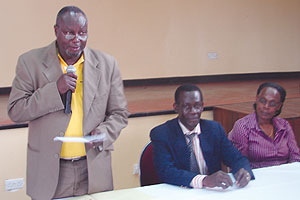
column 199, row 79
column 164, row 112
column 134, row 115
column 211, row 78
column 5, row 90
column 13, row 126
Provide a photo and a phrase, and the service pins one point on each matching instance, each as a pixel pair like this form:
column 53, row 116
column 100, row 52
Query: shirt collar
column 186, row 131
column 64, row 64
column 276, row 123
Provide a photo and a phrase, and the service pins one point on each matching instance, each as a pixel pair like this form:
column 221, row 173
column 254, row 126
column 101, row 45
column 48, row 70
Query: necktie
column 193, row 162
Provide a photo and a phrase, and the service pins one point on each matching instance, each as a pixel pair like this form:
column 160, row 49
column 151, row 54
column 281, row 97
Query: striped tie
column 193, row 162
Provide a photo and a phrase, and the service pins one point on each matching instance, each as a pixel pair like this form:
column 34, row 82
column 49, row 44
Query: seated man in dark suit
column 184, row 160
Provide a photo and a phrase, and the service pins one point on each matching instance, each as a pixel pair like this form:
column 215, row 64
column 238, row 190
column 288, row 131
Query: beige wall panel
column 128, row 148
column 13, row 147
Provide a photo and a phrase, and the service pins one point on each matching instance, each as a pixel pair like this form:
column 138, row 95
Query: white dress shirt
column 197, row 180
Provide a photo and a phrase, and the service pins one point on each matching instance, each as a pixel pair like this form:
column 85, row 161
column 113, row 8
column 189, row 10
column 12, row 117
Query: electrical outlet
column 136, row 169
column 14, row 184
column 212, row 55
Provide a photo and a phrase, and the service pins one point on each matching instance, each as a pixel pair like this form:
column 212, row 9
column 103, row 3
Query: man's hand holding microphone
column 66, row 84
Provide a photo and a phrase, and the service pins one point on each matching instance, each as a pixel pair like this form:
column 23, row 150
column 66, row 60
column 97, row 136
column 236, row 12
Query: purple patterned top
column 261, row 150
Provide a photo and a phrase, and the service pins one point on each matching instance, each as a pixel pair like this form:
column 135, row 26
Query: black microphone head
column 71, row 68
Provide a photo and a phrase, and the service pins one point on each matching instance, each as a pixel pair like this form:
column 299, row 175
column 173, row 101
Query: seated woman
column 262, row 137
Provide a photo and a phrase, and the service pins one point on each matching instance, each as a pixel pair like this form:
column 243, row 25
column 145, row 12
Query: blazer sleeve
column 165, row 161
column 27, row 100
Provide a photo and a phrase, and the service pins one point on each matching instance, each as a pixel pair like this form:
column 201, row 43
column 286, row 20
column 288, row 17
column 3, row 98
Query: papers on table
column 85, row 139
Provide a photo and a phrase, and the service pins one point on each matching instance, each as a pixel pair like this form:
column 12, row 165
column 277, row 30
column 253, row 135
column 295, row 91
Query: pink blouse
column 261, row 150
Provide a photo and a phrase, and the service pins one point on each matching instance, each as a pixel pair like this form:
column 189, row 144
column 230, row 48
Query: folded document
column 85, row 139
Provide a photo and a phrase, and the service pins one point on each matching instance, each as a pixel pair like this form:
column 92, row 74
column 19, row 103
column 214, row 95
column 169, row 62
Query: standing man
column 188, row 151
column 55, row 169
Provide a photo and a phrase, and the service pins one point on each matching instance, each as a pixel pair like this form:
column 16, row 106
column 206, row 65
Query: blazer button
column 61, row 134
column 56, row 155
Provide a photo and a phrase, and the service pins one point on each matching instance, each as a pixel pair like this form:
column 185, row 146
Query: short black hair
column 276, row 86
column 186, row 88
column 68, row 9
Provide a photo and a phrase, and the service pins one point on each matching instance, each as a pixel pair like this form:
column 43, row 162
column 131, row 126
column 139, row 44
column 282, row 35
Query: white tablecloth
column 274, row 183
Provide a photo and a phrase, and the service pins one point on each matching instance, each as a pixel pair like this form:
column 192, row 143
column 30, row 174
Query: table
column 274, row 183
column 229, row 113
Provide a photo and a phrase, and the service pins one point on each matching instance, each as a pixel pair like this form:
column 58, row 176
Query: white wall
column 165, row 38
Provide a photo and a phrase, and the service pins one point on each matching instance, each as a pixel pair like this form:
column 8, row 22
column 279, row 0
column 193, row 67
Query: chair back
column 148, row 174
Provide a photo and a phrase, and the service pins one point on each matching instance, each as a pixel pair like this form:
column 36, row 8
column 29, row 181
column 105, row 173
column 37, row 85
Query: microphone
column 70, row 69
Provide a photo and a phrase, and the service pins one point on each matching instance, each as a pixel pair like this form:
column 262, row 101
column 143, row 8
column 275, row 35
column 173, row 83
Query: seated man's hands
column 219, row 179
column 242, row 177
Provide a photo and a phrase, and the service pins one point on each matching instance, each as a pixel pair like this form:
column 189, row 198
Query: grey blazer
column 35, row 99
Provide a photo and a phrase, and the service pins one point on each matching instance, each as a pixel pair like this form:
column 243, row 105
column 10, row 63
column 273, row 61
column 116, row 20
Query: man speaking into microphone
column 41, row 95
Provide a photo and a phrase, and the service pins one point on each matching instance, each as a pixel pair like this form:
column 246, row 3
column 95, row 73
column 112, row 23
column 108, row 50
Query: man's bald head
column 68, row 9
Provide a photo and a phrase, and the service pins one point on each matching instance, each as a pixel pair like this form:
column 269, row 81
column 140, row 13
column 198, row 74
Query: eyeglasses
column 70, row 36
column 82, row 35
column 189, row 108
column 270, row 103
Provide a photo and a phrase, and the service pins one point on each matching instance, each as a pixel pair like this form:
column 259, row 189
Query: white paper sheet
column 85, row 139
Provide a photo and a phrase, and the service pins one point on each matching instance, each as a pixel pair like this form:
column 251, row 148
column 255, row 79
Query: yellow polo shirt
column 71, row 150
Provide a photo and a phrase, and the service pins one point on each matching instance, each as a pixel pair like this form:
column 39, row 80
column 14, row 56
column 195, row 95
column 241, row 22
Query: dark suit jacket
column 171, row 155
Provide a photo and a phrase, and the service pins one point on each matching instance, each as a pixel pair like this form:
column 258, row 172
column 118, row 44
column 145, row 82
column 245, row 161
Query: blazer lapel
column 91, row 78
column 203, row 136
column 206, row 147
column 180, row 146
column 52, row 65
